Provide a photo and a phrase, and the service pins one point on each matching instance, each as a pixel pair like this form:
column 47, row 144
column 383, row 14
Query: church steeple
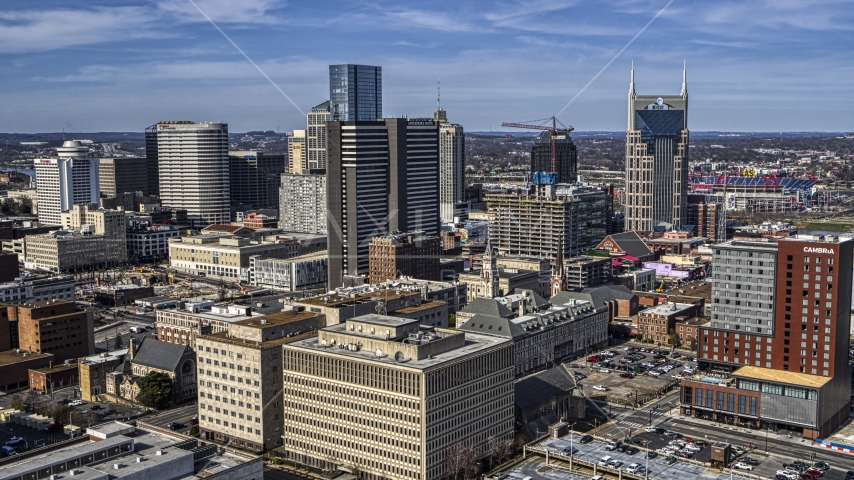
column 489, row 272
column 558, row 282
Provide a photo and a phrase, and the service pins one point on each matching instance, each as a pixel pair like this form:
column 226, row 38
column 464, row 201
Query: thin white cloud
column 223, row 11
column 27, row 31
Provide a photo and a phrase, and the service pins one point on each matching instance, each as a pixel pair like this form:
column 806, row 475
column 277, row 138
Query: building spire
column 439, row 93
column 684, row 78
column 632, row 84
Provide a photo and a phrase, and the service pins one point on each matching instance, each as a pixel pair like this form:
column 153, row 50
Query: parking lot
column 595, row 451
column 601, row 371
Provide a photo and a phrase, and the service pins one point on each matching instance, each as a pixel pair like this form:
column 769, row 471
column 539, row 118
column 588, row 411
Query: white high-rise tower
column 68, row 180
column 193, row 169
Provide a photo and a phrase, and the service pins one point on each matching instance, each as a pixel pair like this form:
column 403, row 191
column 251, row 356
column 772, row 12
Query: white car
column 633, row 468
column 651, row 429
column 743, row 466
column 604, row 370
column 599, row 388
column 76, row 403
column 603, row 462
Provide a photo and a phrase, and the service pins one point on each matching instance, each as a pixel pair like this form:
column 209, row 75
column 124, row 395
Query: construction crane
column 541, row 125
column 164, row 222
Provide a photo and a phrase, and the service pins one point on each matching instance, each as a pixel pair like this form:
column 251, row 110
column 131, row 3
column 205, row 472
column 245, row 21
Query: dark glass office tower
column 566, row 156
column 355, row 93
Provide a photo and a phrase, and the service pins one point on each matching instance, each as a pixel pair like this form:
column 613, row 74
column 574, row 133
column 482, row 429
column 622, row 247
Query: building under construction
column 539, row 221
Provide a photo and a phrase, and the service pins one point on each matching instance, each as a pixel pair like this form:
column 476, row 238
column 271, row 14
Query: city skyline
column 154, row 60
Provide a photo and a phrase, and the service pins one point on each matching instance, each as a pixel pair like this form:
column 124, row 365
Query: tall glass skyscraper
column 355, row 93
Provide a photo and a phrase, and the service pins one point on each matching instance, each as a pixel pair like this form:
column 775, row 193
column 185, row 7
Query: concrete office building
column 566, row 156
column 240, row 378
column 411, row 254
column 656, row 159
column 184, row 324
column 144, row 242
column 290, row 274
column 36, row 288
column 378, row 405
column 124, row 174
column 94, row 237
column 452, row 152
column 224, row 257
column 316, row 136
column 254, row 178
column 539, row 221
column 386, row 179
column 355, row 93
column 302, row 203
column 297, row 152
column 192, row 162
column 70, row 179
column 109, row 223
column 352, row 302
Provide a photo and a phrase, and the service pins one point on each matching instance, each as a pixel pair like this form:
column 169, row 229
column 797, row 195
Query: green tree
column 155, row 390
column 194, row 431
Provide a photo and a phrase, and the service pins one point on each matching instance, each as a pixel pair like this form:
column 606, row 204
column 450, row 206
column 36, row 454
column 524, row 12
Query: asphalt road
column 182, row 414
column 779, row 447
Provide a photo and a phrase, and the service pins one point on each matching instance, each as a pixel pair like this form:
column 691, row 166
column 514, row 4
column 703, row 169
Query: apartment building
column 240, row 378
column 302, row 203
column 382, row 396
column 316, row 136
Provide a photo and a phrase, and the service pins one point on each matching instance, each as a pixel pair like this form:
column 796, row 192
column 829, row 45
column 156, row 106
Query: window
column 699, row 397
column 772, row 389
column 720, row 404
column 742, row 404
column 753, row 403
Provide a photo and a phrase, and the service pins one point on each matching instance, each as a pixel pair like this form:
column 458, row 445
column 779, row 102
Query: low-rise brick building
column 404, row 254
column 53, row 326
column 53, row 377
column 656, row 324
column 15, row 366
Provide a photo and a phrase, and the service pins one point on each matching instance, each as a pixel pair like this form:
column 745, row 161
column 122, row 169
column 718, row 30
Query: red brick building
column 780, row 324
column 256, row 220
column 58, row 376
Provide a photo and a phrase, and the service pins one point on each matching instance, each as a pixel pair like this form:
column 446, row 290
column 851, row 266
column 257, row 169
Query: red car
column 815, row 472
column 626, row 375
column 594, row 358
column 194, row 421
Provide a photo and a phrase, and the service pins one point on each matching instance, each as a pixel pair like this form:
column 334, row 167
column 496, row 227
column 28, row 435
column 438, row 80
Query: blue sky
column 122, row 65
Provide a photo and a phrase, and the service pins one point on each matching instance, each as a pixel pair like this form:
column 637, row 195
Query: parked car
column 670, row 460
column 750, row 461
column 650, row 455
column 615, row 464
column 632, row 450
column 96, row 407
column 603, row 462
column 815, row 472
column 593, row 358
column 604, row 370
column 175, row 425
column 76, row 403
column 585, row 439
column 599, row 388
column 8, row 451
column 611, row 446
column 627, row 375
column 651, row 429
column 743, row 466
column 195, row 421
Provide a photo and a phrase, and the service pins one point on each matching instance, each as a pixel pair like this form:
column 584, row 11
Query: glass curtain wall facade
column 355, row 92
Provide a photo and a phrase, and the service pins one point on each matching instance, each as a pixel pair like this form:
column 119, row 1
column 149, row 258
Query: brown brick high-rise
column 55, row 327
column 404, row 254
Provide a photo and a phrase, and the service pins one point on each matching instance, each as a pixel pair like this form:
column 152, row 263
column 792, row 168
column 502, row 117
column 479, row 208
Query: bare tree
column 17, row 402
column 455, row 460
